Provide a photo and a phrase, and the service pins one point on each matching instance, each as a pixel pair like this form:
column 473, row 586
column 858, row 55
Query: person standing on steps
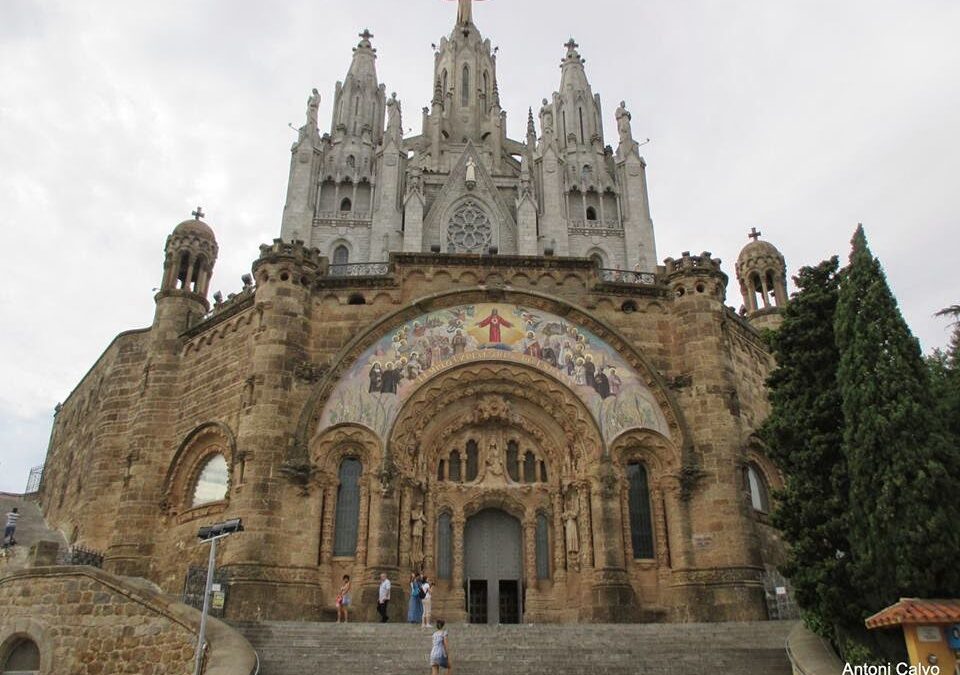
column 383, row 599
column 427, row 603
column 440, row 651
column 11, row 527
column 415, row 607
column 343, row 600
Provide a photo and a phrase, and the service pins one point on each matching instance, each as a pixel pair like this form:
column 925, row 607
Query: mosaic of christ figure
column 495, row 321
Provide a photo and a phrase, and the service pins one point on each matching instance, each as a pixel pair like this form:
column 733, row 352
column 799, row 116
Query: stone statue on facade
column 571, row 529
column 471, row 174
column 546, row 118
column 623, row 125
column 313, row 105
column 419, row 524
column 394, row 120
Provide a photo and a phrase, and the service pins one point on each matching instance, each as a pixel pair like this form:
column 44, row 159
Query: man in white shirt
column 11, row 526
column 384, row 597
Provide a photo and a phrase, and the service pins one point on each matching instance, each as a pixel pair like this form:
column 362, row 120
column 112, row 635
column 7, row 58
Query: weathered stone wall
column 85, row 625
column 86, row 461
column 245, row 379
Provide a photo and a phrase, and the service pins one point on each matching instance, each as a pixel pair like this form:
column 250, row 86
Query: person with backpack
column 415, row 608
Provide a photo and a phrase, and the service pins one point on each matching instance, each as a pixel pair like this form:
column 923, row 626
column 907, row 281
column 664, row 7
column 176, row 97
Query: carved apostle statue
column 419, row 523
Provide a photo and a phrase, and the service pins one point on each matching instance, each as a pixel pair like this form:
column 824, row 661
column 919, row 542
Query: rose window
column 469, row 229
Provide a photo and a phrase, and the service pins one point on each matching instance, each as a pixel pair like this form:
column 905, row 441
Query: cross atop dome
column 198, row 214
column 754, row 233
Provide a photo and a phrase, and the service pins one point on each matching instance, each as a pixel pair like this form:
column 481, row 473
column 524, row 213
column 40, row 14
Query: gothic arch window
column 597, row 258
column 486, row 91
column 455, row 466
column 759, row 491
column 212, row 482
column 347, row 516
column 444, row 546
column 341, row 255
column 591, row 213
column 346, row 205
column 469, row 229
column 441, row 470
column 472, row 457
column 513, row 461
column 641, row 520
column 543, row 547
column 529, row 468
column 465, row 87
column 444, row 86
column 23, row 658
column 580, row 111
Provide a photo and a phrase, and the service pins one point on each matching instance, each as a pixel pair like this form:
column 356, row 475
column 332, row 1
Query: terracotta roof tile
column 915, row 610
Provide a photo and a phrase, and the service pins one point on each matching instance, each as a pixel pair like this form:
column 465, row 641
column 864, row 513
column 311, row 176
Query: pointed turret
column 358, row 104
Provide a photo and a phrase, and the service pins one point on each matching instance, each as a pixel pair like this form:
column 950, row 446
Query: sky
column 117, row 118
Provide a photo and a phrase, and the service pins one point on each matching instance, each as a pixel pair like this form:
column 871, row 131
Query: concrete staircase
column 288, row 648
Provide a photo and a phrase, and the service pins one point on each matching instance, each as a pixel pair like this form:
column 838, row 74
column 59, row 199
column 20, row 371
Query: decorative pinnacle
column 571, row 44
column 754, row 234
column 531, row 130
column 198, row 214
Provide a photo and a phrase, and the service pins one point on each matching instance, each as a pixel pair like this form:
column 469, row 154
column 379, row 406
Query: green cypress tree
column 804, row 433
column 903, row 518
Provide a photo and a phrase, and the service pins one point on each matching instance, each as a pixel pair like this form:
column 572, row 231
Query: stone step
column 291, row 648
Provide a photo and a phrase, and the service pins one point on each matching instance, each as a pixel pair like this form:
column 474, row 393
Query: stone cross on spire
column 366, row 34
column 754, row 233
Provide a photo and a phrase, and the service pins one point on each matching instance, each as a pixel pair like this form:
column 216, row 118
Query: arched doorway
column 493, row 567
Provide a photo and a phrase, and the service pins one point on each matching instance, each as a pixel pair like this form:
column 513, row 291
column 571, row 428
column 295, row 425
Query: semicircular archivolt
column 372, row 391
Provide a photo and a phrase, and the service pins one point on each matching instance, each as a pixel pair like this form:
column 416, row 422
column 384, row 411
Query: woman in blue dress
column 415, row 608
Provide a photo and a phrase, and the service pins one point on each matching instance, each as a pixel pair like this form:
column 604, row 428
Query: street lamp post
column 212, row 534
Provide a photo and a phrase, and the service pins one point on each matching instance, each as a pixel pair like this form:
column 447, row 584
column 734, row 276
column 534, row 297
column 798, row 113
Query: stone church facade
column 458, row 357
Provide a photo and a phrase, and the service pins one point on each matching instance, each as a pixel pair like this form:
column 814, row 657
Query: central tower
column 461, row 185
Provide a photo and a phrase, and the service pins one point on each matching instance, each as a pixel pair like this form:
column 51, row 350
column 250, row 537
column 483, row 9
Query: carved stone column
column 363, row 533
column 406, row 501
column 612, row 599
column 429, row 534
column 457, row 596
column 586, row 525
column 559, row 540
column 327, row 521
column 530, row 548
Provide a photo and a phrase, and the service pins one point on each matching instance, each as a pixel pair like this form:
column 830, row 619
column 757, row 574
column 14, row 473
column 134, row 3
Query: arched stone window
column 212, row 482
column 469, row 229
column 351, row 162
column 341, row 255
column 591, row 214
column 22, row 659
column 465, row 87
column 641, row 521
column 759, row 492
column 455, row 466
column 472, row 467
column 346, row 205
column 597, row 259
column 348, row 508
column 444, row 546
column 543, row 547
column 513, row 461
column 529, row 468
column 441, row 470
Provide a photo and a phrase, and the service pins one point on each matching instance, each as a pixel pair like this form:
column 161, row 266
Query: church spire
column 359, row 101
column 465, row 12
